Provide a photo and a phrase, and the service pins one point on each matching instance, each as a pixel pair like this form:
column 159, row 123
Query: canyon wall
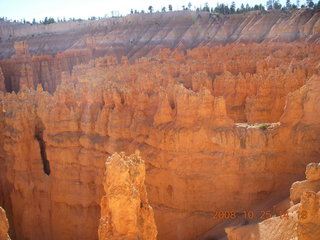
column 26, row 71
column 230, row 134
column 301, row 221
column 137, row 35
column 56, row 48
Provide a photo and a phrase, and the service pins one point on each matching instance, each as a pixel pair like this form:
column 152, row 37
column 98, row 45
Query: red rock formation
column 182, row 110
column 125, row 211
column 183, row 30
column 23, row 70
column 22, row 50
column 4, row 225
column 197, row 159
column 300, row 221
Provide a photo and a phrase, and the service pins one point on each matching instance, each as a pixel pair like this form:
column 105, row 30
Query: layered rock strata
column 26, row 71
column 56, row 48
column 137, row 35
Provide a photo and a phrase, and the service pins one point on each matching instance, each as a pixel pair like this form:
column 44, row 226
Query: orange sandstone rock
column 301, row 221
column 197, row 154
column 313, row 172
column 4, row 225
column 125, row 211
column 309, row 218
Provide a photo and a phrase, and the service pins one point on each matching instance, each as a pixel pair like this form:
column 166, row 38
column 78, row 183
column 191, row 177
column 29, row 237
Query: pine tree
column 242, row 7
column 206, row 8
column 233, row 7
column 310, row 4
column 288, row 4
column 276, row 4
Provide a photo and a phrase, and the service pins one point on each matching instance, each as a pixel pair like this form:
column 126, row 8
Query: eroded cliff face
column 301, row 221
column 56, row 48
column 26, row 71
column 125, row 211
column 137, row 35
column 254, row 79
column 182, row 112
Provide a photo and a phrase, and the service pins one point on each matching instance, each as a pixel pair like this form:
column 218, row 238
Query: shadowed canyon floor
column 219, row 127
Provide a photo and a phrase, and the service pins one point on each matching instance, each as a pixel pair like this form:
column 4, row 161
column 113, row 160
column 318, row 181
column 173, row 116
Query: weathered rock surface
column 26, row 71
column 57, row 48
column 198, row 158
column 137, row 35
column 313, row 171
column 125, row 211
column 301, row 221
column 4, row 225
column 254, row 83
column 226, row 127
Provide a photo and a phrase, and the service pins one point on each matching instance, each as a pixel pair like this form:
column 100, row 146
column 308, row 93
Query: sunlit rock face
column 197, row 153
column 302, row 219
column 125, row 211
column 219, row 127
column 4, row 225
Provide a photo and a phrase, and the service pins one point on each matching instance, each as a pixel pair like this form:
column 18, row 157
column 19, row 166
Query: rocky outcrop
column 22, row 50
column 125, row 211
column 254, row 86
column 197, row 156
column 4, row 225
column 26, row 71
column 312, row 183
column 301, row 221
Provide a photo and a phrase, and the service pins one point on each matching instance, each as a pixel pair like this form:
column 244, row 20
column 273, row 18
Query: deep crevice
column 42, row 144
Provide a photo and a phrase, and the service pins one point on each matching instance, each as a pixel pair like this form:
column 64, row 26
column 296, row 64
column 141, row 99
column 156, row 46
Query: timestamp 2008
column 250, row 214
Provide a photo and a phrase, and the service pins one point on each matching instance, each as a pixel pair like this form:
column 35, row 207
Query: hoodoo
column 125, row 211
column 224, row 109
